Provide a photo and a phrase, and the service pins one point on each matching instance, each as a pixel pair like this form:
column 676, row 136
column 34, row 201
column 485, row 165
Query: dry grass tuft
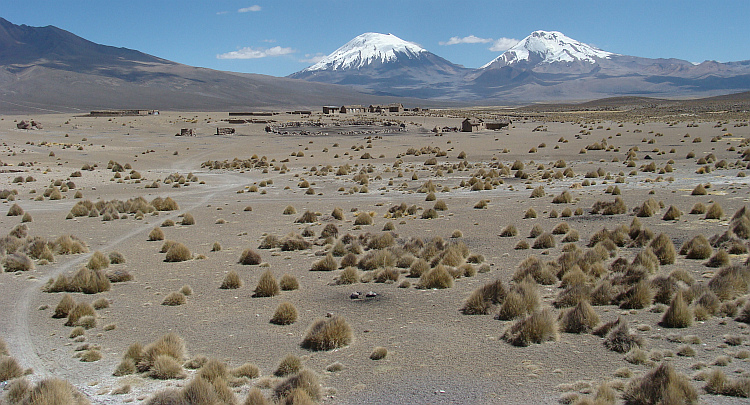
column 267, row 285
column 662, row 385
column 54, row 391
column 673, row 213
column 328, row 334
column 286, row 314
column 544, row 241
column 187, row 219
column 64, row 307
column 719, row 259
column 166, row 367
column 327, row 263
column 98, row 261
column 539, row 327
column 663, row 248
column 718, row 383
column 231, row 281
column 696, row 248
column 509, row 231
column 620, row 338
column 580, row 319
column 378, row 353
column 301, row 388
column 714, row 211
column 678, row 315
column 9, row 368
column 288, row 282
column 289, row 365
column 249, row 257
column 699, row 190
column 174, row 299
column 178, row 253
column 80, row 310
column 156, row 234
column 17, row 262
column 437, row 277
column 307, row 218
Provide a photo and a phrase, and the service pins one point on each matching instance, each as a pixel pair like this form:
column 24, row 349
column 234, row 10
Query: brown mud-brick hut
column 187, row 132
column 331, row 109
column 351, row 109
column 497, row 124
column 224, row 131
column 472, row 125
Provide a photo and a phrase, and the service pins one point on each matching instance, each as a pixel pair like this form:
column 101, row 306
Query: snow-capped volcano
column 368, row 48
column 548, row 47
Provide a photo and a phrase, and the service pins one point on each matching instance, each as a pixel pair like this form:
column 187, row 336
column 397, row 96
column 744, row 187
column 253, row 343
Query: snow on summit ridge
column 550, row 47
column 366, row 49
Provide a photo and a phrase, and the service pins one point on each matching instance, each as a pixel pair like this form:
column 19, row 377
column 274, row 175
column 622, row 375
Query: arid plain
column 402, row 208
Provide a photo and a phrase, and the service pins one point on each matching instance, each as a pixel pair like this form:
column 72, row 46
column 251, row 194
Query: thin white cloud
column 221, row 12
column 503, row 44
column 249, row 9
column 256, row 53
column 310, row 58
column 471, row 39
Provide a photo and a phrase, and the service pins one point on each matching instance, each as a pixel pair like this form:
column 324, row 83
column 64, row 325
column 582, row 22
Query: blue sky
column 280, row 37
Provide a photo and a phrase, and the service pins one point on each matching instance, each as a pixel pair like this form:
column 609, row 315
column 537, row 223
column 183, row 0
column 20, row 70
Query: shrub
column 18, row 262
column 437, row 277
column 249, row 257
column 307, row 218
column 418, row 268
column 187, row 219
column 544, row 241
column 118, row 276
column 247, row 370
column 285, row 314
column 156, row 234
column 328, row 334
column 350, row 275
column 714, row 211
column 530, row 213
column 9, row 368
column 166, row 367
column 288, row 365
column 15, row 210
column 678, row 315
column 378, row 353
column 116, row 258
column 80, row 310
column 267, row 285
column 699, row 190
column 170, row 344
column 663, row 248
column 174, row 298
column 64, row 307
column 509, row 231
column 719, row 259
column 98, row 261
column 718, row 383
column 563, row 198
column 327, row 263
column 580, row 319
column 300, row 388
column 729, row 282
column 620, row 339
column 288, row 282
column 231, row 281
column 54, row 391
column 178, row 253
column 661, row 385
column 673, row 213
column 696, row 248
column 289, row 210
column 538, row 327
column 638, row 296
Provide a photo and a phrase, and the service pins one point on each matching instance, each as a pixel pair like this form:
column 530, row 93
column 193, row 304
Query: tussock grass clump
column 64, row 307
column 437, row 277
column 698, row 208
column 610, row 208
column 563, row 198
column 288, row 282
column 156, row 234
column 187, row 219
column 580, row 319
column 267, row 285
column 178, row 253
column 51, row 391
column 80, row 310
column 88, row 281
column 544, row 241
column 539, row 327
column 9, row 368
column 662, row 385
column 561, row 229
column 289, row 365
column 719, row 259
column 663, row 248
column 18, row 262
column 118, row 276
column 350, row 275
column 673, row 213
column 98, row 261
column 730, row 282
column 247, row 370
column 69, row 245
column 307, row 218
column 481, row 300
column 327, row 263
column 300, row 388
column 699, row 190
column 286, row 314
column 378, row 353
column 638, row 296
column 418, row 268
column 289, row 210
column 87, row 322
column 714, row 211
column 509, row 231
column 116, row 258
column 530, row 213
column 166, row 367
column 249, row 257
column 718, row 383
column 537, row 192
column 170, row 344
column 231, row 281
column 678, row 315
column 541, row 272
column 620, row 338
column 174, row 299
column 15, row 210
column 328, row 334
column 100, row 303
column 696, row 248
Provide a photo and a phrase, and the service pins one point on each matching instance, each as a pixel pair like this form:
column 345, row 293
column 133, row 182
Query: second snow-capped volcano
column 548, row 47
column 366, row 49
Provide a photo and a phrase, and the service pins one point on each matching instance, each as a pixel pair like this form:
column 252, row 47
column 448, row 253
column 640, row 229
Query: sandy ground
column 435, row 354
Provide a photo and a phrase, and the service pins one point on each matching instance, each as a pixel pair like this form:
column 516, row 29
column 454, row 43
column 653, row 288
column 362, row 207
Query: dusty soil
column 435, row 353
